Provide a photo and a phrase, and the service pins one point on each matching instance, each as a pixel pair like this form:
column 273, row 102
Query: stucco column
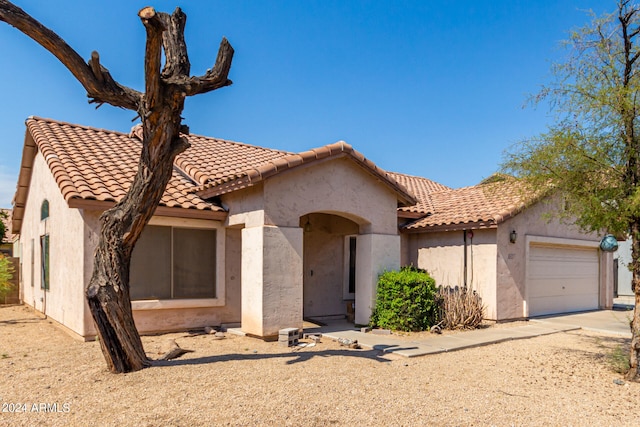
column 375, row 254
column 606, row 280
column 271, row 279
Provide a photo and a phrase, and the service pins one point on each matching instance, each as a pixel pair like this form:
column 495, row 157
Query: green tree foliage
column 3, row 229
column 6, row 274
column 591, row 154
column 405, row 300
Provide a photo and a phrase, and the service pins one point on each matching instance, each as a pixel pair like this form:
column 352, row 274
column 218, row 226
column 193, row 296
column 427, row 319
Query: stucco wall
column 442, row 255
column 335, row 186
column 534, row 221
column 271, row 279
column 245, row 207
column 173, row 315
column 65, row 297
column 376, row 254
column 625, row 277
column 496, row 267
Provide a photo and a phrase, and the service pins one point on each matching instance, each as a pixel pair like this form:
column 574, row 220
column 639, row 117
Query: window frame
column 346, row 294
column 219, row 300
column 44, row 210
column 45, row 262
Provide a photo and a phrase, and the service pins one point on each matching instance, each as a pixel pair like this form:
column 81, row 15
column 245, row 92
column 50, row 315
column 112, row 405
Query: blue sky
column 428, row 88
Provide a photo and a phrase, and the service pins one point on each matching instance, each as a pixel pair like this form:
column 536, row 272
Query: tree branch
column 175, row 49
column 153, row 56
column 213, row 79
column 101, row 91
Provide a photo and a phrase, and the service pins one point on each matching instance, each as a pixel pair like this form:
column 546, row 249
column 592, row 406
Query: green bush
column 405, row 300
column 6, row 273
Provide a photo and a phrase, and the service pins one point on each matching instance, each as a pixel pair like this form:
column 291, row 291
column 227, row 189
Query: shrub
column 6, row 274
column 459, row 308
column 405, row 300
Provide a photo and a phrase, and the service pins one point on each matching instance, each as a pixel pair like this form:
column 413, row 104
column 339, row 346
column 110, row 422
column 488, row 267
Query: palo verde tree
column 591, row 154
column 159, row 108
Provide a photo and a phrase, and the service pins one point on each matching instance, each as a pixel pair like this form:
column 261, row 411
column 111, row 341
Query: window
column 44, row 260
column 352, row 264
column 350, row 244
column 33, row 261
column 44, row 210
column 174, row 263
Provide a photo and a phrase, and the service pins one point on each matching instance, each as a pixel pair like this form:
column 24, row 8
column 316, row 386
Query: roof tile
column 487, row 204
column 96, row 164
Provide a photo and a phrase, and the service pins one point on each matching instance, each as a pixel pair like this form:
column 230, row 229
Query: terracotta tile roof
column 473, row 207
column 254, row 174
column 421, row 188
column 98, row 164
column 214, row 160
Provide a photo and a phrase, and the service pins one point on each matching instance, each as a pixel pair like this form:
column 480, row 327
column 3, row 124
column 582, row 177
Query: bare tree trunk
column 159, row 108
column 634, row 352
column 628, row 114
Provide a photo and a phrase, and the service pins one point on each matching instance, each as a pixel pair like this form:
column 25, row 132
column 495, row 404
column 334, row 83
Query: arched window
column 44, row 210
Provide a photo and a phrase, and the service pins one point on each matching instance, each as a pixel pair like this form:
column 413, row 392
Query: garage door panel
column 562, row 279
column 554, row 305
column 561, row 286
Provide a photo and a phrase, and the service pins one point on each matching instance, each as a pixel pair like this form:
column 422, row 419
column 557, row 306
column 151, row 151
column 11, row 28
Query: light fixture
column 307, row 226
column 513, row 236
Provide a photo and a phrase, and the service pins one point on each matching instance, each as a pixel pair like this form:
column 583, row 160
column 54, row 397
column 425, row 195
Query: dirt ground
column 48, row 378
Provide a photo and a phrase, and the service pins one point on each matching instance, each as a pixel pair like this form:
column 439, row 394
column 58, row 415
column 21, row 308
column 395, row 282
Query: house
column 494, row 240
column 264, row 238
column 622, row 266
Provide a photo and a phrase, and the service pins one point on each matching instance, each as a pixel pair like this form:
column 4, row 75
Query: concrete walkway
column 605, row 321
column 614, row 322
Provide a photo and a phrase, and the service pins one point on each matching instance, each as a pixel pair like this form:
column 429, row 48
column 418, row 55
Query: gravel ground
column 48, row 378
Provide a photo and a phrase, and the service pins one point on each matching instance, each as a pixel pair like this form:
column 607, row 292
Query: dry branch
column 160, row 110
column 99, row 91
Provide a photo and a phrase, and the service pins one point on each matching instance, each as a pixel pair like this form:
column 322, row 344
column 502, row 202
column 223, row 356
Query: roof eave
column 100, row 205
column 411, row 215
column 29, row 152
column 461, row 226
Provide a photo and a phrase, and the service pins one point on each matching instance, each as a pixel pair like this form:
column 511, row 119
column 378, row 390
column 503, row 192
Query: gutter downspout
column 465, row 257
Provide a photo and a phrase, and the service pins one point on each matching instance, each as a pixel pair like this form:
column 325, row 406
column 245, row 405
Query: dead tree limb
column 160, row 109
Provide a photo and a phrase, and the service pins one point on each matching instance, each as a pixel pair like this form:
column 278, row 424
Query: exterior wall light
column 513, row 236
column 609, row 243
column 307, row 226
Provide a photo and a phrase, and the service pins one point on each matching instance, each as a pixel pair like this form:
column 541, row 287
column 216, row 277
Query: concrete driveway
column 605, row 321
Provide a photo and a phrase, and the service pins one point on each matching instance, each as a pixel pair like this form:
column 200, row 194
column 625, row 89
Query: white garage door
column 562, row 279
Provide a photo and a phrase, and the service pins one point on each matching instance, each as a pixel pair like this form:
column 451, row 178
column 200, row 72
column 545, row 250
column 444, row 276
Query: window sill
column 159, row 304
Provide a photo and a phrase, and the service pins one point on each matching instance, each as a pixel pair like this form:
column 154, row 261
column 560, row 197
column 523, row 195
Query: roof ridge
column 260, row 172
column 117, row 132
column 75, row 125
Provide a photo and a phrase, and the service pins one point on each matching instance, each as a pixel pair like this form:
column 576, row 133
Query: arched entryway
column 329, row 266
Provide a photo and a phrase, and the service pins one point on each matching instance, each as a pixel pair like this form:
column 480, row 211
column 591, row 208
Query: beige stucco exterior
column 442, row 255
column 282, row 253
column 64, row 301
column 70, row 268
column 496, row 268
column 271, row 213
column 260, row 256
